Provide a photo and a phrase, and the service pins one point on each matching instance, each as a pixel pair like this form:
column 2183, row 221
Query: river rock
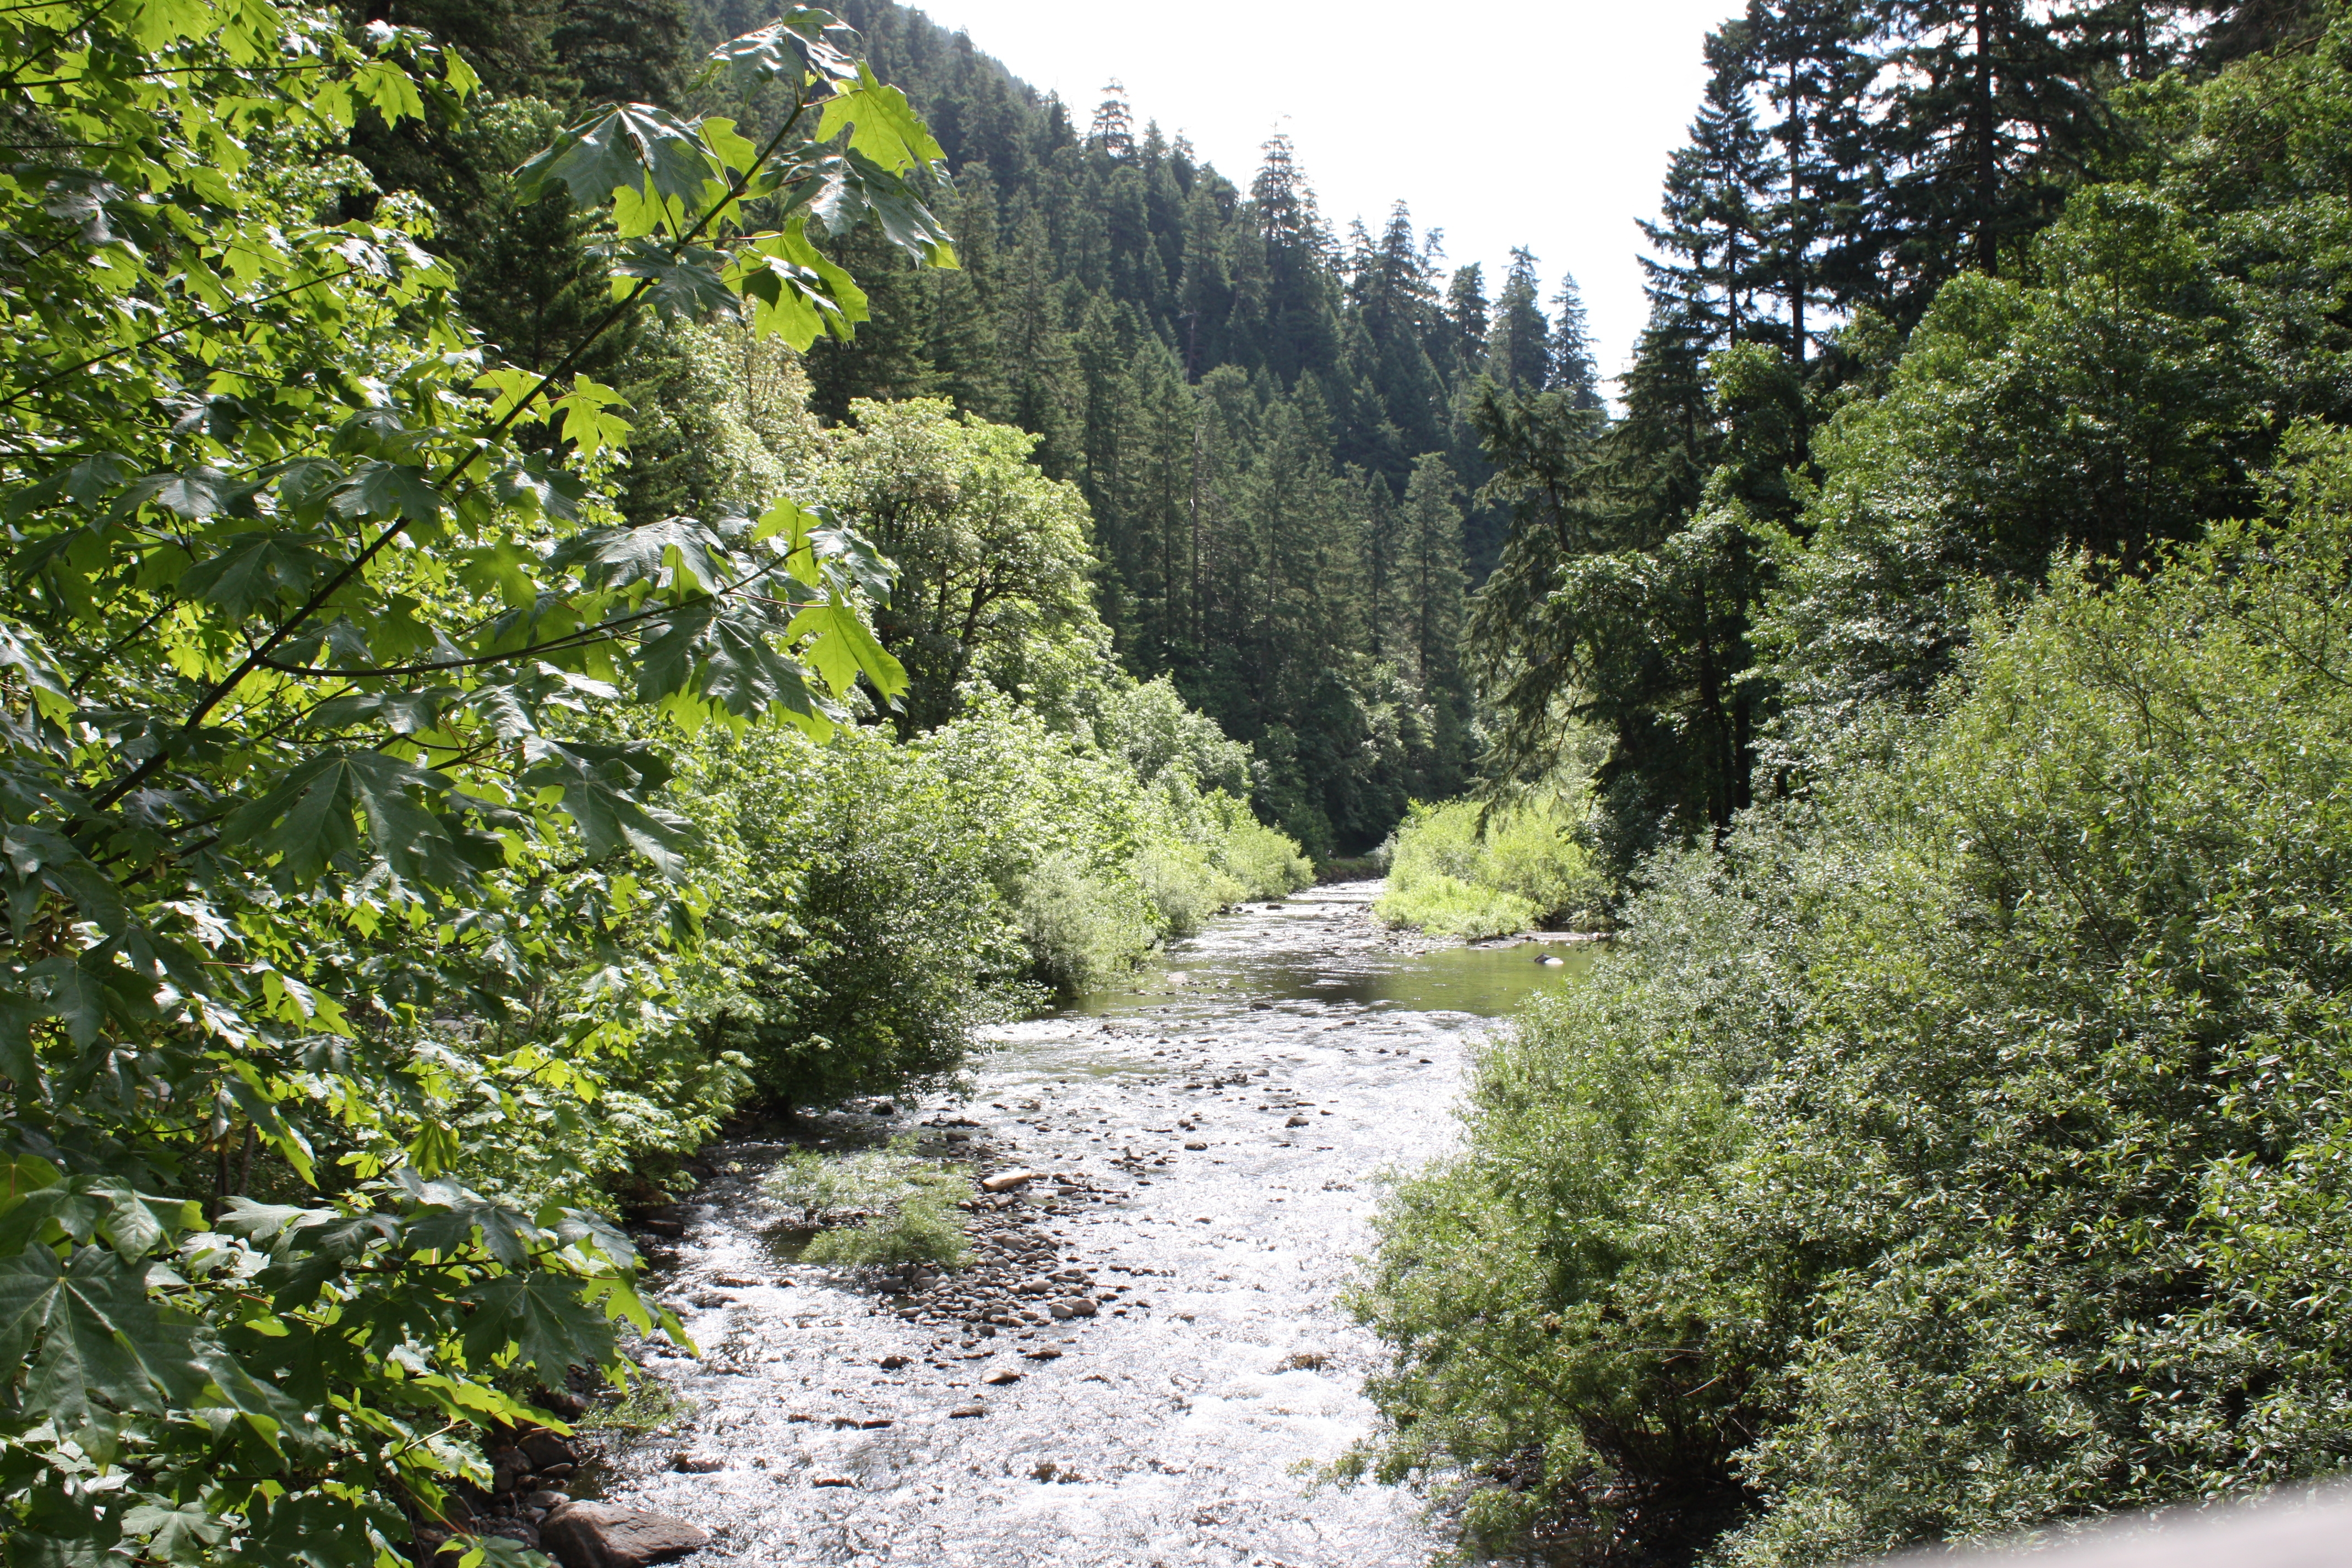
column 1072, row 1307
column 545, row 1448
column 601, row 1535
column 1296, row 1121
column 1196, row 1148
column 695, row 1464
column 1000, row 1374
column 1007, row 1181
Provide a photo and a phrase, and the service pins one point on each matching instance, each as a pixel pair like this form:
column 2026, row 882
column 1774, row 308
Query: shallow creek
column 834, row 1419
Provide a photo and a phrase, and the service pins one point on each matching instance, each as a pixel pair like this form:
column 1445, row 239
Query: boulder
column 603, row 1535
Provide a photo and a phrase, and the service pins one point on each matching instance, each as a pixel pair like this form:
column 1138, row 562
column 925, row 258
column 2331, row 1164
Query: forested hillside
column 1945, row 648
column 1268, row 416
column 1269, row 419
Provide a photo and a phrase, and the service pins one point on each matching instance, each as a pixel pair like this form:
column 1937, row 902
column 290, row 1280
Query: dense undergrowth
column 1952, row 1145
column 1458, row 869
column 1957, row 1149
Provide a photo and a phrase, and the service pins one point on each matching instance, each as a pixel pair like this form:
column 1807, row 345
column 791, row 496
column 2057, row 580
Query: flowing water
column 1302, row 1051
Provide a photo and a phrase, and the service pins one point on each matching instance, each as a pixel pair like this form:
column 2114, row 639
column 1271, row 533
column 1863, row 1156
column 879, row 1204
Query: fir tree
column 1518, row 341
column 1573, row 370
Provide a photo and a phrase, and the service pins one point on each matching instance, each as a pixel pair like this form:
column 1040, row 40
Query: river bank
column 1215, row 1134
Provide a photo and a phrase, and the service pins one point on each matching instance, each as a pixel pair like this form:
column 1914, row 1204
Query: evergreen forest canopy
column 1271, row 425
column 1948, row 644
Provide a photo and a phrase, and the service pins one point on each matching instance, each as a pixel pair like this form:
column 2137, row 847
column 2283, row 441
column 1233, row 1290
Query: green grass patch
column 876, row 1206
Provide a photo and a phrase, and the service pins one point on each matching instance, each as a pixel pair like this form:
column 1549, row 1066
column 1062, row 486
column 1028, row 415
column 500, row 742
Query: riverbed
column 1214, row 1132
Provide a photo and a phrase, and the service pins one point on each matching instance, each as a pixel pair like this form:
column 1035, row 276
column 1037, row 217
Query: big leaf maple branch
column 220, row 689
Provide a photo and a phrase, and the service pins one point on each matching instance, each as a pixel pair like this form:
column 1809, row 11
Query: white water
column 1182, row 1429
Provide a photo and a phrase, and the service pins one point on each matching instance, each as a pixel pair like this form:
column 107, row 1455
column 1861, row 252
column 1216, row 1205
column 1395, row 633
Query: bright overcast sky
column 1517, row 122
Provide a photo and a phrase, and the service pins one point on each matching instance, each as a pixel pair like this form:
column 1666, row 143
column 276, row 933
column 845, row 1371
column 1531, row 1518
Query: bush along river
column 1143, row 1362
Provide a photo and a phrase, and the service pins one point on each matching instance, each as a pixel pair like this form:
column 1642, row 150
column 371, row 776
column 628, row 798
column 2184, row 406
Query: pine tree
column 1384, row 551
column 625, row 51
column 1431, row 595
column 1986, row 121
column 1463, row 333
column 1046, row 388
column 1802, row 57
column 963, row 339
column 1113, row 132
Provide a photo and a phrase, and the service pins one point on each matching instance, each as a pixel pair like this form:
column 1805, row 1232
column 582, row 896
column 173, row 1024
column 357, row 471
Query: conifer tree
column 1519, row 340
column 1803, row 57
column 1431, row 579
column 1986, row 119
column 1462, row 334
column 1709, row 210
column 1113, row 132
column 1573, row 372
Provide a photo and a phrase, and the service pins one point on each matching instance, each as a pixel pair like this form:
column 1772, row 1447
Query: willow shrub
column 1452, row 874
column 1961, row 1152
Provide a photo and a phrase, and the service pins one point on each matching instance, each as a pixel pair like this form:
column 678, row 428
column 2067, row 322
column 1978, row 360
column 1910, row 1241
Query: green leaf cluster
column 340, row 712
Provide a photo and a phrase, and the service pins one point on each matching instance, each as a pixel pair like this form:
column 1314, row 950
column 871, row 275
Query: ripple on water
column 1177, row 1427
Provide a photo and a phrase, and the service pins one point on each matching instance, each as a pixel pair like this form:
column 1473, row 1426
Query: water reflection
column 1286, row 952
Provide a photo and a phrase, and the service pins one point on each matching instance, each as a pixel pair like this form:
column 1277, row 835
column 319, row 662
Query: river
column 1218, row 1126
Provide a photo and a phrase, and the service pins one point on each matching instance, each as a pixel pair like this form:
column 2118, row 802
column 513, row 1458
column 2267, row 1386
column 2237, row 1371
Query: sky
column 1514, row 122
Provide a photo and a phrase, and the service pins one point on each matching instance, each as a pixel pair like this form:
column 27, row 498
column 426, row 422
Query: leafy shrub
column 921, row 1227
column 858, row 937
column 1267, row 862
column 344, row 880
column 1184, row 887
column 1448, row 906
column 1959, row 1152
column 1448, row 874
column 1083, row 925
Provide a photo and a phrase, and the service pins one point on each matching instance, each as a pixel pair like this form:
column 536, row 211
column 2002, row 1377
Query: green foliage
column 2106, row 403
column 648, row 1405
column 875, row 903
column 1956, row 1152
column 1242, row 405
column 1457, row 870
column 993, row 556
column 905, row 1205
column 1445, row 905
column 334, row 863
column 1949, row 1150
column 921, row 1227
column 856, row 938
